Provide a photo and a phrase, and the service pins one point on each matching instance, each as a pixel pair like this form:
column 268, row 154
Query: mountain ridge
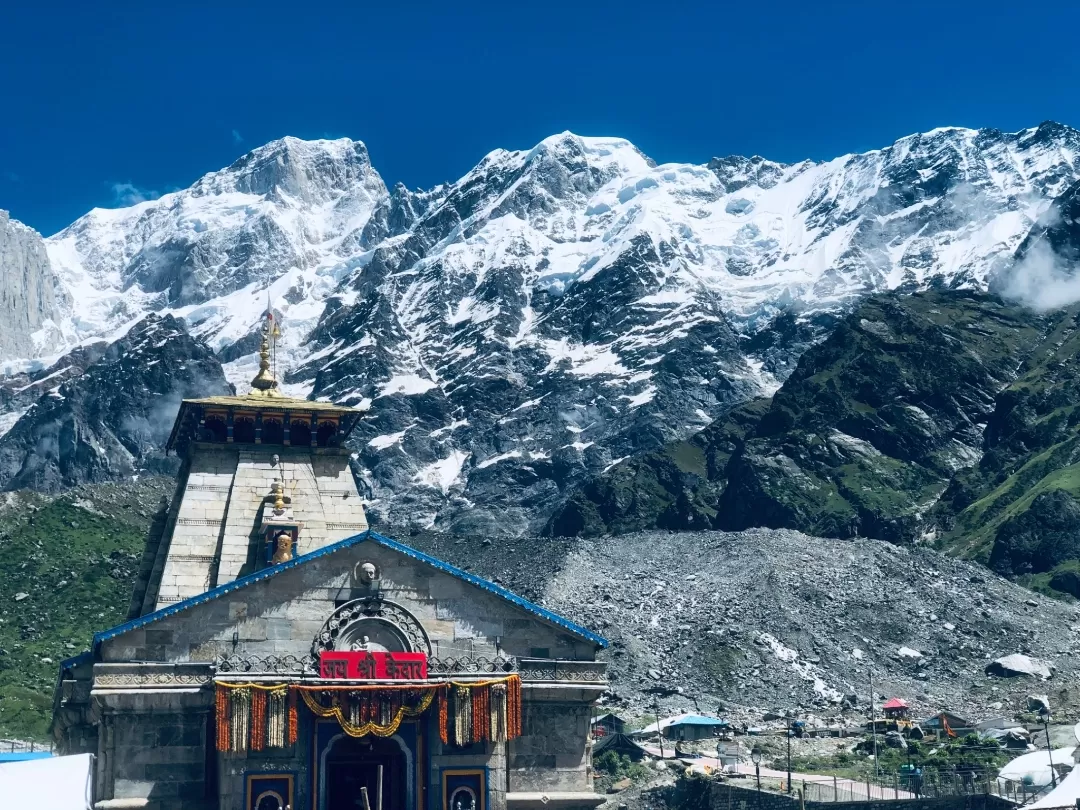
column 556, row 309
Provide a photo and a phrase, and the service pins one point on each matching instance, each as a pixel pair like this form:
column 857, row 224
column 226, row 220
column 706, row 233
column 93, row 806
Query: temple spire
column 265, row 382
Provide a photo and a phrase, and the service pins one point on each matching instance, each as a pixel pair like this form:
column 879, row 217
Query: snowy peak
column 556, row 308
column 314, row 172
column 285, row 212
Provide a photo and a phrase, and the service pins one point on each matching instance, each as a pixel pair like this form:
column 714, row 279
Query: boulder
column 1017, row 665
column 1038, row 703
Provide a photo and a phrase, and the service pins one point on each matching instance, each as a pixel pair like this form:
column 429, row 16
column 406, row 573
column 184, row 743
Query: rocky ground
column 748, row 624
column 759, row 622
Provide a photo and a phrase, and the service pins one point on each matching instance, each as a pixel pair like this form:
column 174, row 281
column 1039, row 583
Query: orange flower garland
column 294, row 718
column 258, row 720
column 375, row 705
column 444, row 705
column 221, row 710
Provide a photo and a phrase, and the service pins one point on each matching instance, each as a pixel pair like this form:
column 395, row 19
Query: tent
column 1034, row 769
column 1064, row 795
column 51, row 783
column 620, row 744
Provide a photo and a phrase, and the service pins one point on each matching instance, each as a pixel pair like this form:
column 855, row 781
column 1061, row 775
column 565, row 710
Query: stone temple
column 280, row 654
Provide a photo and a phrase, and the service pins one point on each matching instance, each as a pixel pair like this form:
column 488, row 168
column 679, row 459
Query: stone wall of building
column 214, row 536
column 281, row 615
column 154, row 746
column 551, row 754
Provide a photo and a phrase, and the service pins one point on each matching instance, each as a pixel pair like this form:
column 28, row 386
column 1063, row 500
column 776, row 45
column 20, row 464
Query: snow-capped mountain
column 556, row 309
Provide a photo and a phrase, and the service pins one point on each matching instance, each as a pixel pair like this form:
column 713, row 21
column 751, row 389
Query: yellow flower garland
column 505, row 722
column 388, row 730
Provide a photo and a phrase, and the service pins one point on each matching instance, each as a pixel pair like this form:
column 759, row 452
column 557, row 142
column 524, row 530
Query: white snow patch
column 387, row 440
column 637, row 400
column 407, row 384
column 443, row 473
column 8, row 420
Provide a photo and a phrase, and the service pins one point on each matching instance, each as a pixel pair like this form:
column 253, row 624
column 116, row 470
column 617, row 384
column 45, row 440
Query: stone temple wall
column 282, row 614
column 213, row 537
column 152, row 698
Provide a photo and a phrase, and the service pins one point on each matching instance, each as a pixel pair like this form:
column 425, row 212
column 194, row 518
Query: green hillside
column 69, row 564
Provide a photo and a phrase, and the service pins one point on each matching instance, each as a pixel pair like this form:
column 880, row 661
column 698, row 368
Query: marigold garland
column 258, row 720
column 221, row 712
column 265, row 715
column 444, row 700
column 294, row 717
column 379, row 729
column 277, row 718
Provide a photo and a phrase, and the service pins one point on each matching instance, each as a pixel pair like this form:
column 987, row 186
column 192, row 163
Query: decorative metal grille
column 267, row 665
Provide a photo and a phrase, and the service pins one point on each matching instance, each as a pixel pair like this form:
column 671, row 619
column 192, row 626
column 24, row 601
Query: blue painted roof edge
column 356, row 539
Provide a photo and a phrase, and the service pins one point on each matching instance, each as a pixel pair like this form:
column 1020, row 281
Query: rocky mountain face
column 557, row 310
column 110, row 418
column 944, row 416
column 28, row 292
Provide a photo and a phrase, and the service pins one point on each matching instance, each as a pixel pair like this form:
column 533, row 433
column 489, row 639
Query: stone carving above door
column 373, row 624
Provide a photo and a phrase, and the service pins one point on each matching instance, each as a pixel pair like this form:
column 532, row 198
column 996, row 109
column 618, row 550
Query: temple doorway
column 376, row 763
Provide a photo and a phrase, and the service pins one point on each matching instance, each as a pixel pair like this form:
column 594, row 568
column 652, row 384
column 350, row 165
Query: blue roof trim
column 348, row 542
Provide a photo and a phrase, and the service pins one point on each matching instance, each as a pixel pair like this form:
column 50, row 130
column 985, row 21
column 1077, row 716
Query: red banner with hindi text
column 375, row 666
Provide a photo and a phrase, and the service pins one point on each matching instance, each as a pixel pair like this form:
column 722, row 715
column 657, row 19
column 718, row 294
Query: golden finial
column 279, row 496
column 264, row 382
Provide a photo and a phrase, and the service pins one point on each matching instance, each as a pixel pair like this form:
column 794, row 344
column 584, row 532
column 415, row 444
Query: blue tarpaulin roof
column 23, row 756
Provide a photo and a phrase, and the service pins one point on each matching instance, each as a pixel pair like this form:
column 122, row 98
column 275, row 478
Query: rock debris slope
column 556, row 309
column 764, row 620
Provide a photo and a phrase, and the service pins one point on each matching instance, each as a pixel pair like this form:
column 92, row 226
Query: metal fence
column 907, row 786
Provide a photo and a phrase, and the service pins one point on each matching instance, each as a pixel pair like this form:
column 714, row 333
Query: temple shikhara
column 280, row 654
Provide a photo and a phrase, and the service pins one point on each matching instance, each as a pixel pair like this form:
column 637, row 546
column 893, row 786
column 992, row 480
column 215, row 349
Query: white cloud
column 130, row 194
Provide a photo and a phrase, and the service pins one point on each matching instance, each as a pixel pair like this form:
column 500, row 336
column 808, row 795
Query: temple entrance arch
column 383, row 765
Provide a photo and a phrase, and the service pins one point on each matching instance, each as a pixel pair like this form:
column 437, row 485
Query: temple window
column 272, row 431
column 213, row 430
column 327, row 435
column 299, row 434
column 244, row 430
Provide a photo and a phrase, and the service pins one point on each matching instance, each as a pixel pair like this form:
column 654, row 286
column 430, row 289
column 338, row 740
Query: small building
column 999, row 723
column 896, row 709
column 606, row 724
column 948, row 723
column 685, row 727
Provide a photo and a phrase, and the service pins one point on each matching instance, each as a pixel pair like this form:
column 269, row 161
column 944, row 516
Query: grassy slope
column 1040, row 442
column 862, row 438
column 76, row 557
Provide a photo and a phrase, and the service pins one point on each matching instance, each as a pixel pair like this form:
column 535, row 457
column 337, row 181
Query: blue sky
column 105, row 102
